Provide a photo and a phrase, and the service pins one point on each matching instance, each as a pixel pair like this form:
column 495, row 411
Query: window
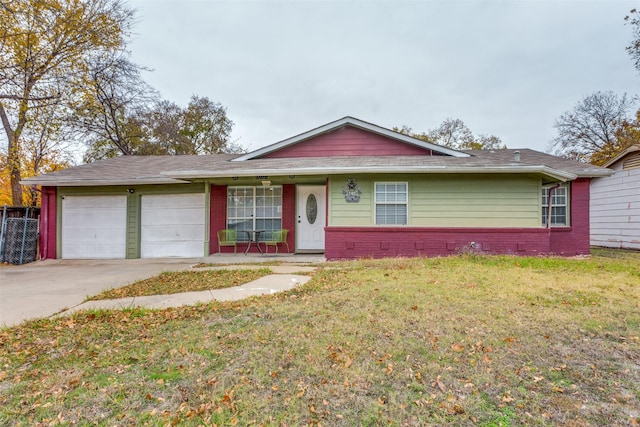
column 391, row 203
column 254, row 208
column 559, row 205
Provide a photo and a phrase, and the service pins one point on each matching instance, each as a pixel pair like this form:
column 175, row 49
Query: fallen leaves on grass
column 184, row 281
column 349, row 349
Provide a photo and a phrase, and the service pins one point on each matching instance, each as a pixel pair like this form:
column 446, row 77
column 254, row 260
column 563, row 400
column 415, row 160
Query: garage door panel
column 175, row 216
column 172, row 225
column 104, row 202
column 175, row 201
column 165, row 234
column 94, row 227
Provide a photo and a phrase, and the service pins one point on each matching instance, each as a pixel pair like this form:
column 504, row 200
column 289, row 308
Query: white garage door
column 94, row 227
column 172, row 226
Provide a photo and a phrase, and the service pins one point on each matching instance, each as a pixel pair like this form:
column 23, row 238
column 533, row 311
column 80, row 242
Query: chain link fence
column 18, row 235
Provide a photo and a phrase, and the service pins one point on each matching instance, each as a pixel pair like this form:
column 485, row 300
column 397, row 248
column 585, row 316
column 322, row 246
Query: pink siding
column 363, row 242
column 574, row 240
column 218, row 218
column 289, row 215
column 349, row 141
column 48, row 223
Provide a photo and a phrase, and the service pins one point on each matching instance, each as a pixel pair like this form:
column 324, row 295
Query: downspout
column 550, row 203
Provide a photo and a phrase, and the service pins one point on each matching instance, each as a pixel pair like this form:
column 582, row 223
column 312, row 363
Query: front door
column 311, row 217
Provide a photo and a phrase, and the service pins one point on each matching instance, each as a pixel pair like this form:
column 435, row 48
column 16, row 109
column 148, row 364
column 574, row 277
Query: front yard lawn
column 468, row 340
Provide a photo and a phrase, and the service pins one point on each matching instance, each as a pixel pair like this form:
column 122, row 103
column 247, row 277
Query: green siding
column 207, row 218
column 440, row 200
column 342, row 213
column 133, row 226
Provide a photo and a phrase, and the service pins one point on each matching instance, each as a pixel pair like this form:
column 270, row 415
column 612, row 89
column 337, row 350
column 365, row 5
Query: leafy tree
column 487, row 142
column 202, row 127
column 44, row 49
column 453, row 133
column 590, row 132
column 627, row 134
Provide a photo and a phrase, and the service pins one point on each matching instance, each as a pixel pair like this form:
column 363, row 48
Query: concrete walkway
column 266, row 285
column 45, row 288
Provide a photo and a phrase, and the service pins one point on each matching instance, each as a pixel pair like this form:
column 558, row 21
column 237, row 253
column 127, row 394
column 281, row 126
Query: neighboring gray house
column 615, row 203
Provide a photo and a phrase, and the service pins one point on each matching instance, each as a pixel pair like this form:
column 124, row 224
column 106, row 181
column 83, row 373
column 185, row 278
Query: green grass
column 183, row 281
column 489, row 341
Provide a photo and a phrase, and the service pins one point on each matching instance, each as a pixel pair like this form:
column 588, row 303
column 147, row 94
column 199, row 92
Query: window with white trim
column 559, row 206
column 254, row 208
column 391, row 203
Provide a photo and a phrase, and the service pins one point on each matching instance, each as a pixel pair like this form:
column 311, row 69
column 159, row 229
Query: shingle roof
column 132, row 170
column 128, row 170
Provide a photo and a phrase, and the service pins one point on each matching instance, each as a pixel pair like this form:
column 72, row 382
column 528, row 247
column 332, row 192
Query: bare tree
column 588, row 133
column 47, row 144
column 633, row 49
column 109, row 112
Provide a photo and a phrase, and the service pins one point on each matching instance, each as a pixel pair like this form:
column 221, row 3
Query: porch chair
column 278, row 236
column 228, row 238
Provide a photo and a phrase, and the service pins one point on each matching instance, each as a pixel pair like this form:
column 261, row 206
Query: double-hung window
column 254, row 208
column 391, row 203
column 559, row 205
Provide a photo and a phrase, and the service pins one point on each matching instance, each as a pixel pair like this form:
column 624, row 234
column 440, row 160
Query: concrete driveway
column 43, row 288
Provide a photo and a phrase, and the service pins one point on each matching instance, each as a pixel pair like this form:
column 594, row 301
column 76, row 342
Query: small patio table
column 253, row 236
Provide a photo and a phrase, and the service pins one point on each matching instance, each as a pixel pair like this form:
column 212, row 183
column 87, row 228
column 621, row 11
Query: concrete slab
column 278, row 269
column 43, row 288
column 266, row 285
column 260, row 259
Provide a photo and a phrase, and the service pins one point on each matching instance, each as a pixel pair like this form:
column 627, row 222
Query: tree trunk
column 16, row 188
column 13, row 159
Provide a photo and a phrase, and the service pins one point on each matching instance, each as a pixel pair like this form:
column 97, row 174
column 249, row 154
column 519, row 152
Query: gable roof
column 349, row 121
column 632, row 149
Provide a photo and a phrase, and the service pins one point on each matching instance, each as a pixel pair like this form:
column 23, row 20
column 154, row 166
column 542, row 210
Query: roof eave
column 535, row 169
column 596, row 173
column 353, row 122
column 100, row 182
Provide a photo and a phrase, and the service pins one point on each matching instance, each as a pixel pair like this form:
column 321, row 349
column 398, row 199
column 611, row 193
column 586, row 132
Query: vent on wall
column 632, row 162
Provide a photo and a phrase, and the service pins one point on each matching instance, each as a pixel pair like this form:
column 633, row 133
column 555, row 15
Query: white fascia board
column 596, row 173
column 354, row 122
column 545, row 170
column 100, row 182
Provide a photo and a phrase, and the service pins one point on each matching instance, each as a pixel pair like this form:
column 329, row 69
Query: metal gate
column 18, row 236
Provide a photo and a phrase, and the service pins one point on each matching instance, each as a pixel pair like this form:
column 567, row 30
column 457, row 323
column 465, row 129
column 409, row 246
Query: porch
column 253, row 258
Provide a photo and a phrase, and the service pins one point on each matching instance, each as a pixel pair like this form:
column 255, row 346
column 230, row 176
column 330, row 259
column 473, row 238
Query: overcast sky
column 506, row 68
